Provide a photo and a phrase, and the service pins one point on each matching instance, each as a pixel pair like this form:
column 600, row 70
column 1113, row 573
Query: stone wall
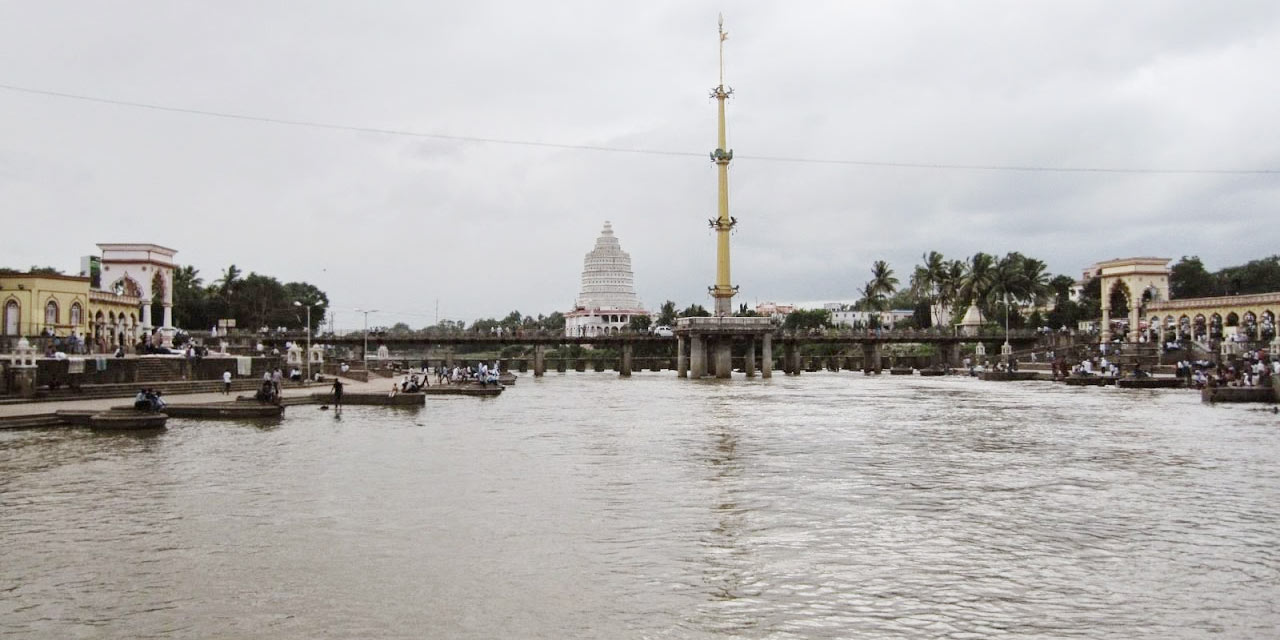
column 127, row 370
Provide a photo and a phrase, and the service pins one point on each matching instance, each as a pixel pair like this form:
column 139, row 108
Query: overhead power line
column 611, row 149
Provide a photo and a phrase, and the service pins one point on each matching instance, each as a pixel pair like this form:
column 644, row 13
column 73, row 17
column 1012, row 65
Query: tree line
column 252, row 300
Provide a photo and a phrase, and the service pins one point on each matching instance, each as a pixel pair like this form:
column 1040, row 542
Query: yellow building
column 45, row 304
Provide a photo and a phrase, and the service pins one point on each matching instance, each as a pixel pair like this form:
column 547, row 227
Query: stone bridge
column 869, row 343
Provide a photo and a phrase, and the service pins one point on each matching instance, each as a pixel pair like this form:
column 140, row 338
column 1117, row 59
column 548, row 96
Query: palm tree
column 976, row 284
column 883, row 281
column 1036, row 280
column 950, row 283
column 872, row 301
column 928, row 278
column 228, row 279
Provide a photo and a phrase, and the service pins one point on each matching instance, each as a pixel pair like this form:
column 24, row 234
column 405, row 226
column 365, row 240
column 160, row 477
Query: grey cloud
column 485, row 228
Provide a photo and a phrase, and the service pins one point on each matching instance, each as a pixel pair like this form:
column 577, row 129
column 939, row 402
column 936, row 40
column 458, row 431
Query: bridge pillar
column 724, row 357
column 766, row 357
column 1106, row 318
column 870, row 358
column 539, row 360
column 749, row 364
column 626, row 360
column 682, row 361
column 697, row 356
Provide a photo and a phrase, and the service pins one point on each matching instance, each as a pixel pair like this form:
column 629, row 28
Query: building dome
column 608, row 299
column 607, row 281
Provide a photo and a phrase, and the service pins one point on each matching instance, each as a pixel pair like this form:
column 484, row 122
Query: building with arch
column 608, row 299
column 135, row 275
column 1135, row 281
column 1142, row 286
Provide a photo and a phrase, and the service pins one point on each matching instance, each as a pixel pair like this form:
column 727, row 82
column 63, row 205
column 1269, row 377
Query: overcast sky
column 397, row 222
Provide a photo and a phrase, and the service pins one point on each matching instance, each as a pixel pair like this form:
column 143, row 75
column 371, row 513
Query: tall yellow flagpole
column 722, row 291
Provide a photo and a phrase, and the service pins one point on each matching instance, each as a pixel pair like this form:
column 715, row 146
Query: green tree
column 260, row 301
column 553, row 323
column 306, row 293
column 975, row 286
column 667, row 314
column 695, row 311
column 1255, row 276
column 191, row 308
column 400, row 329
column 926, row 283
column 639, row 323
column 801, row 320
column 883, row 282
column 1189, row 279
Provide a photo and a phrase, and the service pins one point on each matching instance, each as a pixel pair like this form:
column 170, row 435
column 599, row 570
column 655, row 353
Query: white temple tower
column 608, row 297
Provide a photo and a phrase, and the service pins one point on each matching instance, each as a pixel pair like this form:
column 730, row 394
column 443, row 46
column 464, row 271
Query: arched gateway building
column 608, row 299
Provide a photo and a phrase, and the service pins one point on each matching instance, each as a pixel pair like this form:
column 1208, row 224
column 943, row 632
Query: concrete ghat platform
column 382, row 399
column 1237, row 394
column 1150, row 383
column 220, row 410
column 113, row 419
column 1089, row 381
column 463, row 390
column 1009, row 376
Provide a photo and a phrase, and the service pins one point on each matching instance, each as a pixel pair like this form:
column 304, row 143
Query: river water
column 585, row 506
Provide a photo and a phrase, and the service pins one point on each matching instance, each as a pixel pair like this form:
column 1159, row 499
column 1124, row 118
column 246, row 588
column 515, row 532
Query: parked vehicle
column 663, row 330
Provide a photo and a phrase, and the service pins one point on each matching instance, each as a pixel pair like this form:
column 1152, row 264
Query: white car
column 663, row 331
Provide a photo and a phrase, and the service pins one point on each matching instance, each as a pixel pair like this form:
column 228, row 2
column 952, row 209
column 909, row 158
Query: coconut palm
column 950, row 283
column 883, row 281
column 975, row 287
column 1035, row 280
column 928, row 278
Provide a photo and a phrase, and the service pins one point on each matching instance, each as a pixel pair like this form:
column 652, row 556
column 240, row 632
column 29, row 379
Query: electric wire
column 628, row 150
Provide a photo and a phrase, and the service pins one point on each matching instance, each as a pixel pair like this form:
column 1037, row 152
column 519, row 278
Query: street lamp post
column 307, row 356
column 1007, row 349
column 366, row 313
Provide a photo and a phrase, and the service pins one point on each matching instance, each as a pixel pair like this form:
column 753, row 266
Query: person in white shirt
column 226, row 382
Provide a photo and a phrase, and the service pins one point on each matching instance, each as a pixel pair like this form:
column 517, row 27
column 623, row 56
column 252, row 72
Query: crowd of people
column 1254, row 369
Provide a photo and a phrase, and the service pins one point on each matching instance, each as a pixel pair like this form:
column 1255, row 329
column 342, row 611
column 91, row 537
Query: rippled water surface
column 584, row 506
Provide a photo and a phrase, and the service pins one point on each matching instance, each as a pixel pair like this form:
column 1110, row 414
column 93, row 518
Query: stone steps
column 128, row 390
column 30, row 422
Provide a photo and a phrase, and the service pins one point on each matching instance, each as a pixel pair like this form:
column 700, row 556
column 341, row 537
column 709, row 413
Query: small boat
column 933, row 372
column 901, row 371
column 1150, row 383
column 507, row 378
